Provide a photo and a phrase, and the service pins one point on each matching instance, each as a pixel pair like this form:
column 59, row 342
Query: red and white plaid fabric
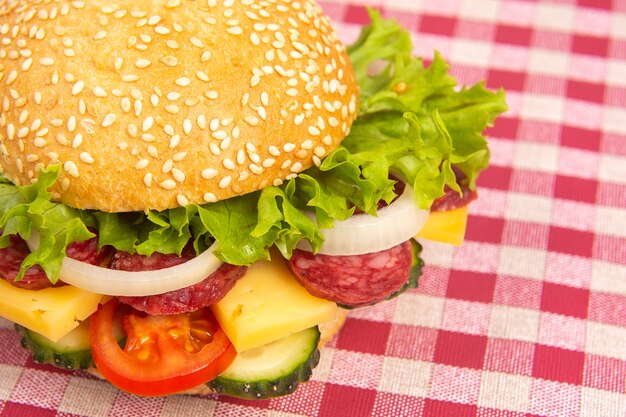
column 528, row 317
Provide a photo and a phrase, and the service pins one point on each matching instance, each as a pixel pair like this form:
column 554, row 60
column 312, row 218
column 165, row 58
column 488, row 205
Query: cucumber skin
column 263, row 389
column 79, row 359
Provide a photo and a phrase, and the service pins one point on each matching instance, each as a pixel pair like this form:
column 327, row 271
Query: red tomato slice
column 163, row 354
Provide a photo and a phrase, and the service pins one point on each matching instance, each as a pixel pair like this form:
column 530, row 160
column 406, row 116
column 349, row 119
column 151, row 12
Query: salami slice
column 356, row 280
column 35, row 278
column 204, row 293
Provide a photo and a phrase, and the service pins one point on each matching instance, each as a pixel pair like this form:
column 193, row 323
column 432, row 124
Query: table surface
column 528, row 317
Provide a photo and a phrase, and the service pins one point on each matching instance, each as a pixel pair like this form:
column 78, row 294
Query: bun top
column 156, row 104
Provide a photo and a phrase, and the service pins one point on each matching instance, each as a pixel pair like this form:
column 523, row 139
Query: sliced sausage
column 356, row 280
column 206, row 292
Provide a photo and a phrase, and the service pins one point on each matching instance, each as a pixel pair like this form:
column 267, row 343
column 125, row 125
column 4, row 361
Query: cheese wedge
column 268, row 304
column 53, row 312
column 445, row 226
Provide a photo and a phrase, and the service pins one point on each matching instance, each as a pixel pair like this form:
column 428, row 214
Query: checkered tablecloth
column 528, row 317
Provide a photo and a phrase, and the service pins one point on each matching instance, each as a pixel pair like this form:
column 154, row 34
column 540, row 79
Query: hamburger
column 194, row 192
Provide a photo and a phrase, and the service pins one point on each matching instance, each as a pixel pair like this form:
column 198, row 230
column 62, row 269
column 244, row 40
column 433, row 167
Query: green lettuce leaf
column 29, row 208
column 414, row 124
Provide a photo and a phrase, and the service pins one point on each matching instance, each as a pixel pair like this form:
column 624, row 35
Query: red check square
column 364, row 336
column 334, row 402
column 573, row 242
column 504, row 127
column 471, row 286
column 582, row 90
column 597, row 4
column 495, row 177
column 484, row 229
column 590, row 45
column 581, row 138
column 562, row 299
column 515, row 35
column 509, row 80
column 357, row 15
column 12, row 409
column 460, row 349
column 556, row 364
column 440, row 25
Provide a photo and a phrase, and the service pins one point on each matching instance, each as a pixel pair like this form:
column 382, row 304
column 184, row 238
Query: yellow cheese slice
column 53, row 312
column 445, row 226
column 267, row 304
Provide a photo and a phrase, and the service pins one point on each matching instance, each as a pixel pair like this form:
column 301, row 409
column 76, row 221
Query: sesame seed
column 255, row 169
column 327, row 140
column 215, row 150
column 289, row 147
column 174, row 141
column 220, row 134
column 179, row 156
column 142, row 63
column 206, row 55
column 201, row 121
column 77, row 141
column 225, row 182
column 228, row 163
column 148, row 122
column 209, row 173
column 152, row 151
column 167, row 166
column 162, row 30
column 147, row 179
column 46, row 61
column 273, row 150
column 209, row 197
column 171, row 43
column 314, row 131
column 268, row 162
column 142, row 163
column 173, row 96
column 235, row 132
column 71, row 168
column 168, row 184
column 100, row 35
column 170, row 61
column 251, row 120
column 172, row 108
column 86, row 158
column 178, row 175
column 183, row 82
column 99, row 92
column 202, row 76
column 182, row 200
column 108, row 120
column 39, row 143
column 211, row 95
column 235, row 30
column 169, row 130
column 129, row 78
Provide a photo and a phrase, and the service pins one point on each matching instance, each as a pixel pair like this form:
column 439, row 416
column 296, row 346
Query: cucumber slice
column 72, row 351
column 271, row 370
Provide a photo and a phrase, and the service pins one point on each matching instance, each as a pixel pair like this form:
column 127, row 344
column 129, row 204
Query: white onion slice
column 361, row 233
column 140, row 283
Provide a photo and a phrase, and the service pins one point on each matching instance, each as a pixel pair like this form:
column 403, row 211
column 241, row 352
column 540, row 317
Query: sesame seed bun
column 156, row 104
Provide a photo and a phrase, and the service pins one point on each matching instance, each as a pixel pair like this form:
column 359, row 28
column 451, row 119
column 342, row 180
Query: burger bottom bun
column 327, row 332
